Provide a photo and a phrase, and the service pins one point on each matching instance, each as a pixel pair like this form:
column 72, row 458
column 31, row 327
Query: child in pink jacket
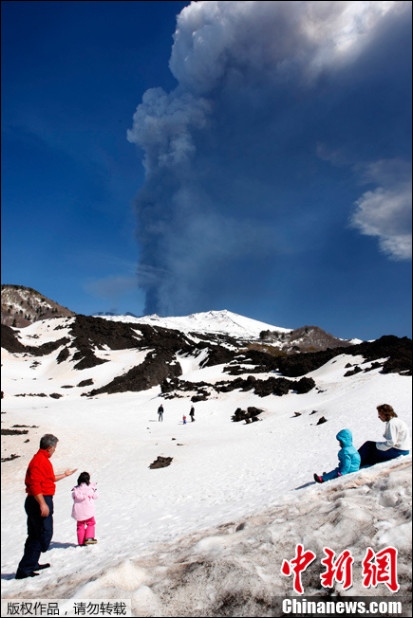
column 84, row 496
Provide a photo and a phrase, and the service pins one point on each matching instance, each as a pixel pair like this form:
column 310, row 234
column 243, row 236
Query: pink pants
column 85, row 530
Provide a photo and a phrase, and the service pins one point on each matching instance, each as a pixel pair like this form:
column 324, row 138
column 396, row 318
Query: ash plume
column 234, row 179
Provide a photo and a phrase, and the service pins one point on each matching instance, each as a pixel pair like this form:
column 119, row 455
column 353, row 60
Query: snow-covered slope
column 207, row 535
column 224, row 322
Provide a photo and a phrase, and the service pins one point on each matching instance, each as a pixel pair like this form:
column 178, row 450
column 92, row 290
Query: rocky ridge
column 21, row 306
column 82, row 343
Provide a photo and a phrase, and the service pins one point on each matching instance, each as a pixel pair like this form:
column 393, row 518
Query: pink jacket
column 84, row 506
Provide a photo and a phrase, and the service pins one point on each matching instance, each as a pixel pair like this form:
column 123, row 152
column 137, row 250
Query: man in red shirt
column 40, row 488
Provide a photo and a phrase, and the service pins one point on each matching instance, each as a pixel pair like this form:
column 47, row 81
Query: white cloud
column 214, row 38
column 235, row 44
column 386, row 212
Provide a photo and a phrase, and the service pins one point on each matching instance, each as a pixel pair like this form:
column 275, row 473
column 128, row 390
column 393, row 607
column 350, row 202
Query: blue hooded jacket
column 348, row 456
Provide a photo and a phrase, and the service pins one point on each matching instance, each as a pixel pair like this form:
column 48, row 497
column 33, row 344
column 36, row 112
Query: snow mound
column 234, row 569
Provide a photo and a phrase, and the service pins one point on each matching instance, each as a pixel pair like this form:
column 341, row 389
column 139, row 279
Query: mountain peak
column 21, row 306
column 213, row 321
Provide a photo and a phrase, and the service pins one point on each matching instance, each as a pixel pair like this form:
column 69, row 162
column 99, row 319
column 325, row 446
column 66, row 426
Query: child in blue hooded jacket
column 348, row 458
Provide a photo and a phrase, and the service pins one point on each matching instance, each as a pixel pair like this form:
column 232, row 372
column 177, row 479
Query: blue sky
column 251, row 156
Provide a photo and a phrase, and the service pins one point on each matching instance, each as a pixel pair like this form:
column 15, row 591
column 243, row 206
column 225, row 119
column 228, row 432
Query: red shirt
column 40, row 476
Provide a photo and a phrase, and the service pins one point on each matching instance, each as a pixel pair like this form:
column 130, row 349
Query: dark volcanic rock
column 92, row 332
column 159, row 365
column 13, row 432
column 161, row 462
column 249, row 416
column 396, row 354
column 218, row 356
column 163, row 347
column 89, row 332
column 12, row 456
column 63, row 355
column 88, row 382
column 155, row 369
column 271, row 386
column 87, row 359
column 10, row 342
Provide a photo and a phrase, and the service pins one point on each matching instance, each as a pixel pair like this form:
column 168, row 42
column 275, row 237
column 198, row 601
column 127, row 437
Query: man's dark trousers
column 39, row 531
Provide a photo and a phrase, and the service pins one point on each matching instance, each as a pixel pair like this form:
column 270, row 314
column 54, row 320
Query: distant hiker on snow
column 192, row 414
column 184, row 419
column 160, row 413
column 84, row 495
column 396, row 436
column 348, row 458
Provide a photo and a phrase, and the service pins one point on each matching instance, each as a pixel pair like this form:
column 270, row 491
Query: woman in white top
column 396, row 439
